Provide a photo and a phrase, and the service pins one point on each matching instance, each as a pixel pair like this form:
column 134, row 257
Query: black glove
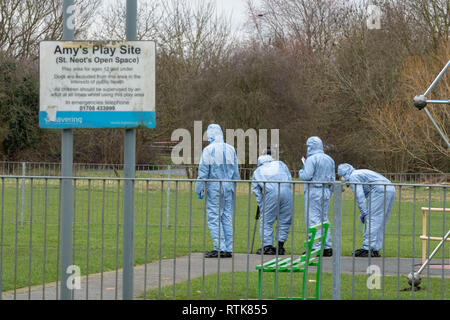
column 257, row 213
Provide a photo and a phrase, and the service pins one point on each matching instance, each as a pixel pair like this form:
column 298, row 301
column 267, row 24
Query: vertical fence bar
column 277, row 239
column 354, row 244
column 102, row 256
column 190, row 240
column 58, row 246
column 45, row 239
column 337, row 221
column 160, row 239
column 23, row 194
column 318, row 293
column 233, row 239
column 398, row 240
column 384, row 226
column 175, row 239
column 307, row 225
column 88, row 237
column 413, row 236
column 76, row 213
column 204, row 241
column 116, row 293
column 168, row 198
column 428, row 241
column 1, row 236
column 146, row 240
column 262, row 221
column 369, row 225
column 444, row 230
column 248, row 238
column 16, row 238
column 291, row 290
column 30, row 250
column 219, row 226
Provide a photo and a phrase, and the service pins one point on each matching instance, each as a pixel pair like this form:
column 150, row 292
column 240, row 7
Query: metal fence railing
column 171, row 235
column 178, row 171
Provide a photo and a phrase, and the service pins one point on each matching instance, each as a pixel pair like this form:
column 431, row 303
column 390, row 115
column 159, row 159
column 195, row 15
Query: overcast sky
column 234, row 9
column 237, row 9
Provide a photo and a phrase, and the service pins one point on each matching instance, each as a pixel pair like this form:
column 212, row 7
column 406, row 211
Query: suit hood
column 264, row 159
column 314, row 145
column 214, row 133
column 345, row 170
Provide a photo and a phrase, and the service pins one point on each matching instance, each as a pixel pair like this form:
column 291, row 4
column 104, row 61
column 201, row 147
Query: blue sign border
column 92, row 119
column 99, row 119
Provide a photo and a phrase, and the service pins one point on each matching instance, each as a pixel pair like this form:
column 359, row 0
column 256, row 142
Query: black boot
column 225, row 254
column 361, row 253
column 212, row 254
column 365, row 253
column 268, row 250
column 375, row 253
column 281, row 250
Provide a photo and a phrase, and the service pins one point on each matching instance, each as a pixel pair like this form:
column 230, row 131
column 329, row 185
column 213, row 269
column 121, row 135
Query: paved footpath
column 162, row 273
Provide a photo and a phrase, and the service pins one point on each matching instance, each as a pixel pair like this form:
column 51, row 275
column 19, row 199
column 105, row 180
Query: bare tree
column 194, row 33
column 432, row 16
column 313, row 24
column 405, row 132
column 23, row 24
column 110, row 21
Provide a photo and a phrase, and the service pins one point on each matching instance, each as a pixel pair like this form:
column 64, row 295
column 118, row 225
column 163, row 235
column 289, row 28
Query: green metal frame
column 301, row 264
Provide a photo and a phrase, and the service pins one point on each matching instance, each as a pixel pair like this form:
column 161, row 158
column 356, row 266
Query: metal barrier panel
column 172, row 233
column 408, row 240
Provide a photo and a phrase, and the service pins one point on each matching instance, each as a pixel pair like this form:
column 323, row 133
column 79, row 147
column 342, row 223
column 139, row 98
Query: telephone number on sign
column 97, row 108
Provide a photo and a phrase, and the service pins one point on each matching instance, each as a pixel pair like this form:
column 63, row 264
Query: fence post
column 129, row 172
column 337, row 227
column 67, row 171
column 23, row 194
column 168, row 197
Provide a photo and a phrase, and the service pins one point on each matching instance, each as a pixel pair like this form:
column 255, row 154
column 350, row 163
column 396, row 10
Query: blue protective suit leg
column 285, row 219
column 220, row 227
column 212, row 217
column 380, row 207
column 227, row 209
column 316, row 211
column 272, row 212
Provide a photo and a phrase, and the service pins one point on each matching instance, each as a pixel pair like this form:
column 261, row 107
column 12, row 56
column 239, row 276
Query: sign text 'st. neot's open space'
column 97, row 84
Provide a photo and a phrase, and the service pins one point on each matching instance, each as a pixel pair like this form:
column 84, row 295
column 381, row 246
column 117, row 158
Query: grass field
column 234, row 287
column 29, row 253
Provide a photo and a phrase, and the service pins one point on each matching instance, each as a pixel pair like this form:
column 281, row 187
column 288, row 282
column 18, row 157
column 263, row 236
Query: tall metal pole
column 129, row 172
column 66, row 185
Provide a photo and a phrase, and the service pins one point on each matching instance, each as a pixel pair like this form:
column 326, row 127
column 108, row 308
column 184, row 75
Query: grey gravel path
column 161, row 273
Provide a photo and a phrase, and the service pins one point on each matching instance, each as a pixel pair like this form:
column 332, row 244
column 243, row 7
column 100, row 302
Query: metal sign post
column 129, row 172
column 66, row 185
column 421, row 101
column 97, row 84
